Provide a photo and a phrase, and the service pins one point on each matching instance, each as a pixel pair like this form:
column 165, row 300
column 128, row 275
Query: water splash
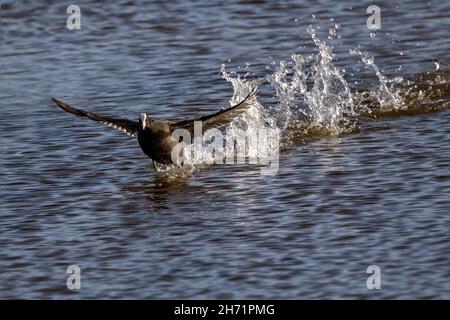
column 385, row 94
column 330, row 99
column 313, row 95
column 311, row 92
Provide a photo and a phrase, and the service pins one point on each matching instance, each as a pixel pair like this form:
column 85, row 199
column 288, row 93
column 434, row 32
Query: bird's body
column 155, row 136
column 157, row 142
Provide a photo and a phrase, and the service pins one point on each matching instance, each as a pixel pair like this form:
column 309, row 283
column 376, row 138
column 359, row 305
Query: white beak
column 143, row 119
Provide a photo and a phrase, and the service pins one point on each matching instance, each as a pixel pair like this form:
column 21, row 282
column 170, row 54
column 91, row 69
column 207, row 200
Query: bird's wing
column 129, row 127
column 218, row 119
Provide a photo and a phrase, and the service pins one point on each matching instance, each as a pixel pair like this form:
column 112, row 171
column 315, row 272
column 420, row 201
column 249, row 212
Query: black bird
column 155, row 136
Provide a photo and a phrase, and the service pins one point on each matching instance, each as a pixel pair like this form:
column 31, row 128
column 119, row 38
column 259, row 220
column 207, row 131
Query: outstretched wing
column 218, row 119
column 127, row 126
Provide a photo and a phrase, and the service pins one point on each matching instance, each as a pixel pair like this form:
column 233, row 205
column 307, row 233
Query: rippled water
column 364, row 166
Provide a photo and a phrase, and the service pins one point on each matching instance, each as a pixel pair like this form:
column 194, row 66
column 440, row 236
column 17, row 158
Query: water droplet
column 332, row 33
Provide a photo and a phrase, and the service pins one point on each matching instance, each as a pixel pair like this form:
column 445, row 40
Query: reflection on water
column 74, row 192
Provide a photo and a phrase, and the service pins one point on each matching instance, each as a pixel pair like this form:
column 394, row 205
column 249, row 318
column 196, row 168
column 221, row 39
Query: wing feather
column 218, row 119
column 129, row 127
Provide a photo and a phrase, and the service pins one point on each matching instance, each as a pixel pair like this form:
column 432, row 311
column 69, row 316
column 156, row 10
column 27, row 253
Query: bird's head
column 144, row 120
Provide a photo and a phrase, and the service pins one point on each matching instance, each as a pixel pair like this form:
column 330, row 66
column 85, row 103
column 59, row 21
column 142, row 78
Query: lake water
column 363, row 174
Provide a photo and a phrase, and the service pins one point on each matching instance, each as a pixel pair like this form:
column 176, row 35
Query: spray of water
column 385, row 94
column 313, row 95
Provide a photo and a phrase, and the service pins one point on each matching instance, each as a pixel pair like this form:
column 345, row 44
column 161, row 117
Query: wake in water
column 314, row 99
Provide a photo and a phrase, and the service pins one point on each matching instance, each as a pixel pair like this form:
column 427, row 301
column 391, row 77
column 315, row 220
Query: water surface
column 74, row 192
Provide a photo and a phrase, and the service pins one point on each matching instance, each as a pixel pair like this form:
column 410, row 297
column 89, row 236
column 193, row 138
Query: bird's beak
column 143, row 120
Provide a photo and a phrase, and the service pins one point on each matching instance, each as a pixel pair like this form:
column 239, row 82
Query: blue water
column 76, row 193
